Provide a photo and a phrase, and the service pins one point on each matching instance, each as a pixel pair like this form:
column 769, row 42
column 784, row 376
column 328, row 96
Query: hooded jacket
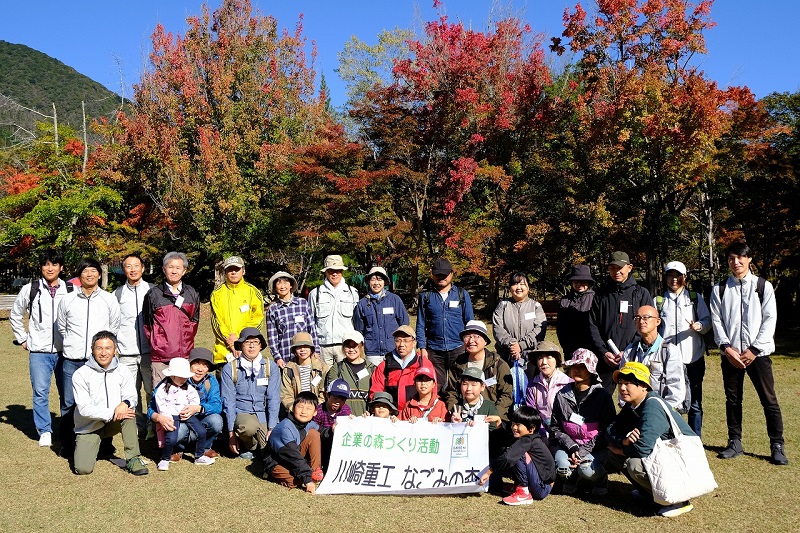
column 666, row 369
column 233, row 308
column 499, row 384
column 741, row 319
column 541, row 395
column 42, row 334
column 607, row 322
column 572, row 323
column 536, row 448
column 284, row 444
column 399, row 382
column 359, row 385
column 597, row 411
column 171, row 329
column 523, row 322
column 98, row 391
column 677, row 312
column 81, row 316
column 131, row 339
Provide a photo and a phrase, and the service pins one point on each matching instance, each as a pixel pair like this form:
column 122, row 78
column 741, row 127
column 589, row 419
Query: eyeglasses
column 403, row 340
column 472, row 337
column 645, row 318
column 254, row 342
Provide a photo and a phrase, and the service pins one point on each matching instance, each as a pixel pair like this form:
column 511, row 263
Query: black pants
column 442, row 361
column 760, row 373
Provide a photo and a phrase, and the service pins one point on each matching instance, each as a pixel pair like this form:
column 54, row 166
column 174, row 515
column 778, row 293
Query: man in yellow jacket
column 235, row 305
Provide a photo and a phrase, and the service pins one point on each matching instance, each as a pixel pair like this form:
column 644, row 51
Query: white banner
column 374, row 456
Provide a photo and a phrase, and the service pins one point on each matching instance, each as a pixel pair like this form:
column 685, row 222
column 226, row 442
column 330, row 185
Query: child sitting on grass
column 425, row 404
column 295, row 458
column 335, row 405
column 528, row 459
column 171, row 397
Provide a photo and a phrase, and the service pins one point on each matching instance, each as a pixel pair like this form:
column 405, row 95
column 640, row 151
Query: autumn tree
column 649, row 118
column 215, row 119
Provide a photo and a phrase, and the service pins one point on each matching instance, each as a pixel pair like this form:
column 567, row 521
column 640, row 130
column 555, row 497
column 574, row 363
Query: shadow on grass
column 717, row 449
column 21, row 418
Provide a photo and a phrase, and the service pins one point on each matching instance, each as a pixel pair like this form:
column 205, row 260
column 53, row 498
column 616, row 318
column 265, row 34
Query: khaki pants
column 88, row 445
column 250, row 431
column 632, row 468
column 311, row 450
column 331, row 354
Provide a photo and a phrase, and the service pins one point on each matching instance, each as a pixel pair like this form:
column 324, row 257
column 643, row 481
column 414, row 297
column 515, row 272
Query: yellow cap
column 637, row 370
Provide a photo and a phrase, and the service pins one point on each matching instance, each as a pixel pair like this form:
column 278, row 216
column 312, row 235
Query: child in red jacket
column 425, row 404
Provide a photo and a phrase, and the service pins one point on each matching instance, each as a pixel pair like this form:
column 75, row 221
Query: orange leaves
column 13, row 181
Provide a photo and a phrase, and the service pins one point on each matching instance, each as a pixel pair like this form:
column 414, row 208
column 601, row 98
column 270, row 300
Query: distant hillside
column 36, row 80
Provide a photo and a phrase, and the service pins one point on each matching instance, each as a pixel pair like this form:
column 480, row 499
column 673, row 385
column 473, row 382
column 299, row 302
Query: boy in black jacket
column 529, row 460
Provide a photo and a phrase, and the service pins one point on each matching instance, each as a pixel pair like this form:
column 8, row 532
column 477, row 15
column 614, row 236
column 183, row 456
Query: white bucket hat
column 178, row 367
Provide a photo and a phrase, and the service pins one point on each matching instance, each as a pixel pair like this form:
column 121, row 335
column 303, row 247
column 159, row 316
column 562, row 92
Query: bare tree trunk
column 55, row 126
column 104, row 276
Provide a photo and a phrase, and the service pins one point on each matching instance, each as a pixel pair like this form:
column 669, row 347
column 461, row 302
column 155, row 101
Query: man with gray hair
column 171, row 316
column 332, row 305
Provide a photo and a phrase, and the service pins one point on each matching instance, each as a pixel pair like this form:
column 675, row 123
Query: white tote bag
column 677, row 468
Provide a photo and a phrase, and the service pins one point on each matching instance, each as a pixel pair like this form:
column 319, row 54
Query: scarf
column 467, row 412
column 250, row 368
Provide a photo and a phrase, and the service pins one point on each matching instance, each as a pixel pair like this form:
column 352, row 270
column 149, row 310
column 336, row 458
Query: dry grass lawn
column 40, row 493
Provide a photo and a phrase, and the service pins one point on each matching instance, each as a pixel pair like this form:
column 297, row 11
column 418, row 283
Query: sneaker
column 211, row 453
column 136, row 466
column 317, row 475
column 778, row 457
column 246, row 455
column 175, row 457
column 163, row 465
column 520, row 497
column 204, row 460
column 601, row 487
column 734, row 449
column 46, row 439
column 676, row 509
column 570, row 485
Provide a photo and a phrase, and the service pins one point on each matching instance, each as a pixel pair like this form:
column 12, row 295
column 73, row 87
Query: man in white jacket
column 133, row 345
column 744, row 314
column 332, row 305
column 105, row 398
column 662, row 359
column 684, row 319
column 40, row 300
column 81, row 314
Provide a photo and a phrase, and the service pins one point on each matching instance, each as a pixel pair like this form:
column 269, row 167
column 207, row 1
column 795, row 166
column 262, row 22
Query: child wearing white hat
column 172, row 397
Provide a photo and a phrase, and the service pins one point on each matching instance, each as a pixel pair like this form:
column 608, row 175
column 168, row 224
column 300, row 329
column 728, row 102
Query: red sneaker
column 519, row 497
column 317, row 475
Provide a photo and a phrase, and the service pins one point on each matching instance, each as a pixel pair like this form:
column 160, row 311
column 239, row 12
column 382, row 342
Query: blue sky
column 753, row 44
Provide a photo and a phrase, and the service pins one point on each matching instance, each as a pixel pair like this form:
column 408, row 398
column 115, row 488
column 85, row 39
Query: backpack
column 35, row 287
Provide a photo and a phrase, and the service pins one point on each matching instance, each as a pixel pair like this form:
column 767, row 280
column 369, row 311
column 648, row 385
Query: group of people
column 277, row 378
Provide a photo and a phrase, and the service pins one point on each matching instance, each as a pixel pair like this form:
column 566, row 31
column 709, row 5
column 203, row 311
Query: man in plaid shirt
column 287, row 316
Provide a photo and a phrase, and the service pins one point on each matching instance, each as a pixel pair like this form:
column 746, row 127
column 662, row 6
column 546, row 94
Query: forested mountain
column 36, row 80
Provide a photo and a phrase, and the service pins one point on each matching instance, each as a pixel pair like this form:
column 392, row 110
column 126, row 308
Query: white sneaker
column 163, row 465
column 46, row 439
column 204, row 460
column 677, row 509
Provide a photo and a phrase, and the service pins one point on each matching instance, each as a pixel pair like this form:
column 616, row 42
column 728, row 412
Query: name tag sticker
column 179, row 301
column 363, row 373
column 388, row 310
column 299, row 319
column 229, row 357
column 575, row 418
column 316, row 380
column 491, row 381
column 244, row 308
column 530, row 316
column 453, row 303
column 623, row 306
column 262, row 382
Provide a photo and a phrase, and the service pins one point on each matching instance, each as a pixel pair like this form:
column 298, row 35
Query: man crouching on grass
column 105, row 400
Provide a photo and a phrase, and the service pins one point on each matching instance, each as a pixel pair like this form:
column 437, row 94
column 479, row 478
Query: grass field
column 40, row 493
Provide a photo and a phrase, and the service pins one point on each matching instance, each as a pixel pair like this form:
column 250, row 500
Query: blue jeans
column 171, row 437
column 592, row 468
column 64, row 370
column 42, row 365
column 526, row 475
column 695, row 372
column 213, row 425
